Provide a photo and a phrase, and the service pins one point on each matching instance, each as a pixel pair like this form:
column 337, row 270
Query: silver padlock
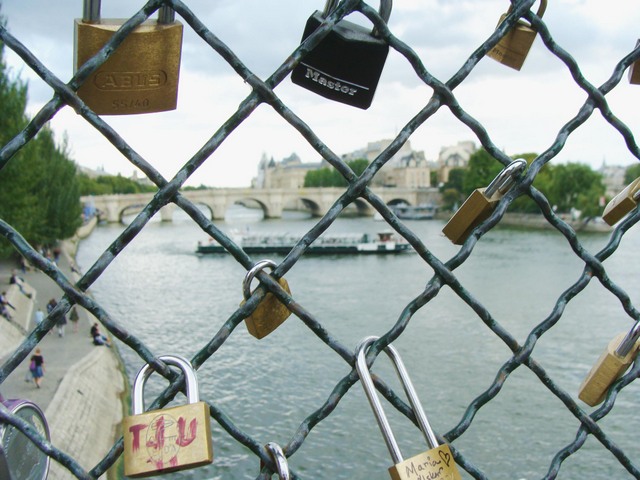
column 282, row 467
column 20, row 458
column 438, row 461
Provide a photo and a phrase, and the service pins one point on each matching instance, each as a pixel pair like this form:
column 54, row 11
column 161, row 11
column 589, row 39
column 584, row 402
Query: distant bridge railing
column 272, row 201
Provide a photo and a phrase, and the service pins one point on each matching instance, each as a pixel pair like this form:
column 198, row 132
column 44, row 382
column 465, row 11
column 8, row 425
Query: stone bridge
column 272, row 201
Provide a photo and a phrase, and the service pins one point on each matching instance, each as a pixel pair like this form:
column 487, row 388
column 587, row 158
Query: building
column 408, row 168
column 287, row 173
column 613, row 179
column 454, row 156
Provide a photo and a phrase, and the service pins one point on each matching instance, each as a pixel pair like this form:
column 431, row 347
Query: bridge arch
column 271, row 201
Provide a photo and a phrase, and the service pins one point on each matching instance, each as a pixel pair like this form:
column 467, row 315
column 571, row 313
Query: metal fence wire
column 358, row 188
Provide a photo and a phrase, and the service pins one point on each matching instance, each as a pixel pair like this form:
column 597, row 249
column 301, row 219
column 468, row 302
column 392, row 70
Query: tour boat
column 383, row 243
column 418, row 212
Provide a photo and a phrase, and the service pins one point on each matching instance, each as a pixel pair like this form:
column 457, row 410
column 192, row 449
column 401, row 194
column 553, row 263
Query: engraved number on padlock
column 622, row 203
column 347, row 64
column 513, row 48
column 141, row 75
column 634, row 70
column 481, row 203
column 611, row 365
column 437, row 462
column 270, row 312
column 167, row 440
column 282, row 466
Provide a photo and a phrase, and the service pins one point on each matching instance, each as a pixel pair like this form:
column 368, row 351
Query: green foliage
column 575, row 185
column 111, row 184
column 39, row 194
column 452, row 196
column 483, row 168
column 329, row 177
column 566, row 186
column 631, row 173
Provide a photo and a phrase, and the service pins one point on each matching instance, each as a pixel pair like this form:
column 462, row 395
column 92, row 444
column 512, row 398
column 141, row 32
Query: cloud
column 522, row 111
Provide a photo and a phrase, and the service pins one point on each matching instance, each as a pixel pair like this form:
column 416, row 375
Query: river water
column 175, row 301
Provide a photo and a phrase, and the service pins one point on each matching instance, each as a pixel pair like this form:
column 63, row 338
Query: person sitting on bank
column 98, row 338
column 16, row 280
column 4, row 303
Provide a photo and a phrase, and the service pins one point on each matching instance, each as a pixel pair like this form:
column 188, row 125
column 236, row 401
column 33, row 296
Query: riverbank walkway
column 82, row 385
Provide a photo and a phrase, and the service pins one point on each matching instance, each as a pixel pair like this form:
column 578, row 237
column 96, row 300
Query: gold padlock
column 270, row 313
column 634, row 70
column 622, row 203
column 438, row 461
column 513, row 48
column 611, row 365
column 141, row 76
column 168, row 440
column 481, row 203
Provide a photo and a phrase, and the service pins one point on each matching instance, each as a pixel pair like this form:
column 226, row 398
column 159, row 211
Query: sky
column 522, row 111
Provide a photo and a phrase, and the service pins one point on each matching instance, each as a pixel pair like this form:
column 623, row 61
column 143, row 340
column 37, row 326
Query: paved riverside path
column 82, row 385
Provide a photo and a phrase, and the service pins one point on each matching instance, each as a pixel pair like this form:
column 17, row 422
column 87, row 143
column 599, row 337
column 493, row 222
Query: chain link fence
column 358, row 188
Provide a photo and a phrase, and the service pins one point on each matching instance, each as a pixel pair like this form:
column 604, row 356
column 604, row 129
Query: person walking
column 61, row 323
column 37, row 367
column 38, row 316
column 74, row 317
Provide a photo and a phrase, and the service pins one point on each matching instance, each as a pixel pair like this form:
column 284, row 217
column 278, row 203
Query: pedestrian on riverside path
column 37, row 367
column 61, row 323
column 74, row 317
column 4, row 303
column 16, row 280
column 38, row 316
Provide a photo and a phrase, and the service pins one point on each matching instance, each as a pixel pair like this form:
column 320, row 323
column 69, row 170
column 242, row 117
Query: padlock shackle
column 91, row 11
column 190, row 379
column 541, row 8
column 166, row 15
column 374, row 401
column 384, row 11
column 506, row 178
column 246, row 284
column 627, row 343
column 280, row 460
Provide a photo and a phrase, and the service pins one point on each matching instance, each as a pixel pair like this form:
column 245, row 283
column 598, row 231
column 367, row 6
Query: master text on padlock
column 127, row 81
column 327, row 81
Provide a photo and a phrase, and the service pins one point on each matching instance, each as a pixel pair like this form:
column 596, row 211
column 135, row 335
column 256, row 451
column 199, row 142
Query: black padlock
column 346, row 65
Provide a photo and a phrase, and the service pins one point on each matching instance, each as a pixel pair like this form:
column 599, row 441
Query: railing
column 263, row 93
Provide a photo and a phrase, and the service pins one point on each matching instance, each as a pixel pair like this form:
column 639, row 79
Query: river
column 175, row 301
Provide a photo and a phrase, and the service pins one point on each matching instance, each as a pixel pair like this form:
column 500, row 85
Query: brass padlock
column 168, row 440
column 282, row 467
column 634, row 70
column 347, row 64
column 513, row 48
column 481, row 203
column 622, row 203
column 141, row 76
column 438, row 461
column 611, row 365
column 270, row 312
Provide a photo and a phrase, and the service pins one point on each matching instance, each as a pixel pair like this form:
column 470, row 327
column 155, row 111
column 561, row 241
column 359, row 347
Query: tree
column 39, row 194
column 482, row 169
column 575, row 185
column 330, row 177
column 631, row 173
